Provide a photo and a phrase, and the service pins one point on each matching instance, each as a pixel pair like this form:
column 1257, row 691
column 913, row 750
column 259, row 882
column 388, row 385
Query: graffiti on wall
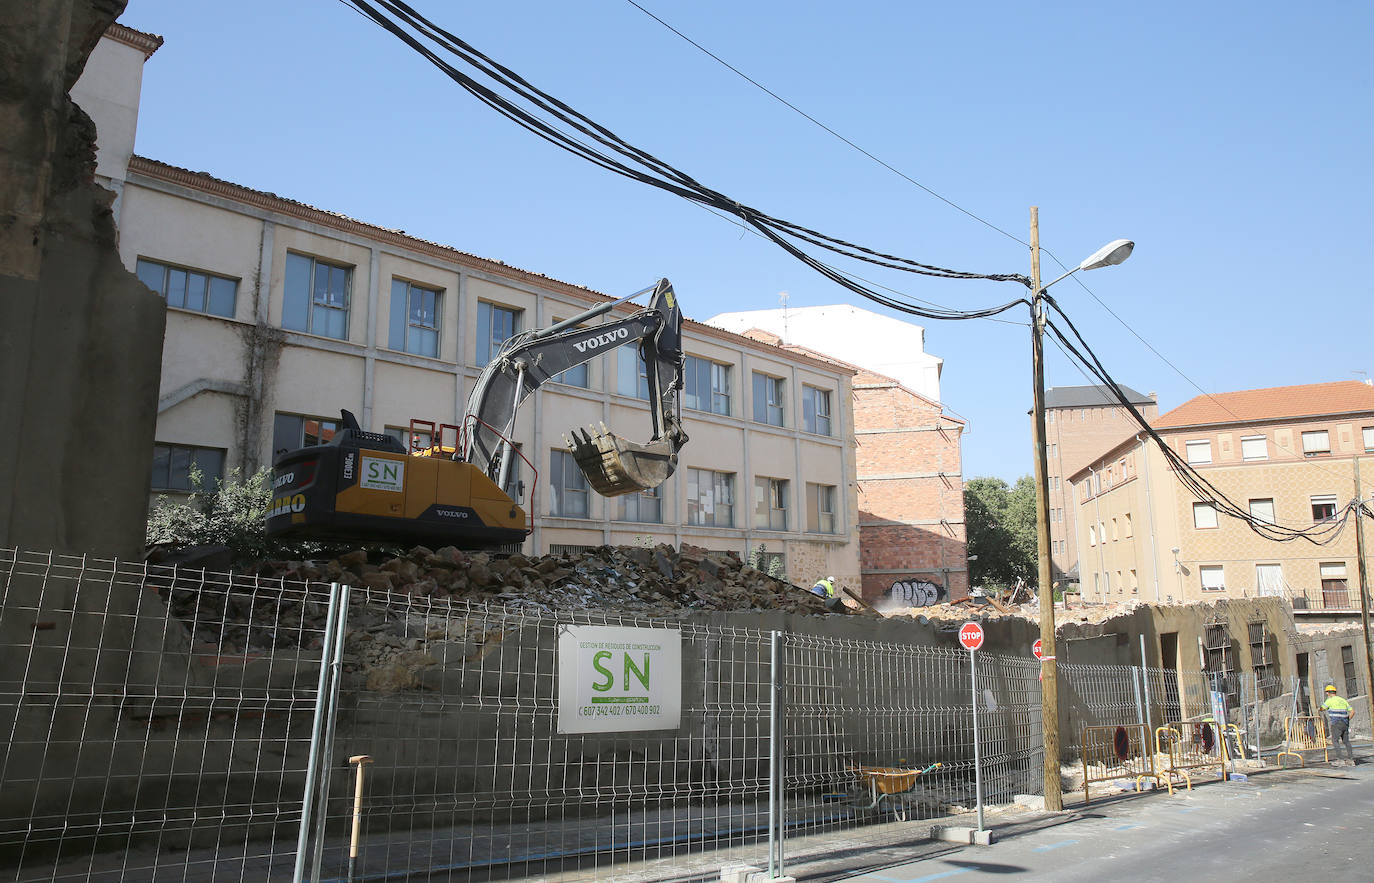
column 916, row 592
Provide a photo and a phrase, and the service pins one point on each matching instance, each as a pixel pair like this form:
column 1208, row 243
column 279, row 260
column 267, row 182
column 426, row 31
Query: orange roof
column 1274, row 403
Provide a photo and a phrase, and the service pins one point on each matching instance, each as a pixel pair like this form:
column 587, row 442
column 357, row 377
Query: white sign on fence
column 613, row 679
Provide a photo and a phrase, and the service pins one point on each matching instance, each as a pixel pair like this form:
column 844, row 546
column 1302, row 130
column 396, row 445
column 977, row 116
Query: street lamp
column 1108, row 255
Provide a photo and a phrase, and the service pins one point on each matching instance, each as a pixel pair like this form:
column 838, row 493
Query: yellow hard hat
column 1330, row 688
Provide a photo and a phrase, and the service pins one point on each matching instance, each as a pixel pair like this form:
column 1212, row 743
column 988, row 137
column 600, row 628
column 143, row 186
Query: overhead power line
column 551, row 119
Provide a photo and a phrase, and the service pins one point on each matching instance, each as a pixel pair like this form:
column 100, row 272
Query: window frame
column 1205, row 507
column 1259, row 516
column 695, row 506
column 1204, row 569
column 192, row 455
column 1202, row 444
column 1315, row 451
column 562, row 466
column 311, row 302
column 718, row 394
column 1263, row 441
column 207, row 296
column 812, row 398
column 771, row 493
column 406, row 335
column 487, row 344
column 1324, row 501
column 323, row 435
column 824, row 493
column 641, row 390
column 637, row 500
column 765, row 406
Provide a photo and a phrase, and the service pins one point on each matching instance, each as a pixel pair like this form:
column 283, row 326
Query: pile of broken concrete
column 651, row 581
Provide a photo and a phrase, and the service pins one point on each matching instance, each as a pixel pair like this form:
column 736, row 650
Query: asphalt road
column 1315, row 824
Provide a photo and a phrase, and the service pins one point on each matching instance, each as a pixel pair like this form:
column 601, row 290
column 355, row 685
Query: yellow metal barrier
column 1120, row 752
column 1304, row 733
column 1190, row 745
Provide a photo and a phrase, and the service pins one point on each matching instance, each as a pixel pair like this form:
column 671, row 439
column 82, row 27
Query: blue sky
column 1231, row 141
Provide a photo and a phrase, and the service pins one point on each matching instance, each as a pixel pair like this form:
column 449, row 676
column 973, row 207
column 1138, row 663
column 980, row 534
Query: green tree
column 1000, row 525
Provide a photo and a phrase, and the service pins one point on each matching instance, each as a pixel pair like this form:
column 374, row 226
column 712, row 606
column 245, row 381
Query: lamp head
column 1109, row 255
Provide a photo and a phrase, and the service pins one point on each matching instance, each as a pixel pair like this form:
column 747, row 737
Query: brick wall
column 911, row 501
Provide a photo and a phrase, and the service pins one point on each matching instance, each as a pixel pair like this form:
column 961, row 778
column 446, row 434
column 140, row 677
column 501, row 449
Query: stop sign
column 971, row 635
column 1038, row 648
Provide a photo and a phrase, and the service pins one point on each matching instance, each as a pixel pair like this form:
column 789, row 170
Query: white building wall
column 860, row 337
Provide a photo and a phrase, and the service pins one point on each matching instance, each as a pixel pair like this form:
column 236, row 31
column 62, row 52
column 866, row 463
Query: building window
column 1263, row 510
column 418, row 440
column 414, row 319
column 1221, row 662
column 495, row 326
column 1269, row 580
column 768, row 407
column 1092, row 535
column 1114, row 533
column 188, row 289
column 1199, row 451
column 292, row 431
column 1368, row 433
column 173, row 464
column 770, row 503
column 1212, row 578
column 1254, row 447
column 1323, row 507
column 567, row 486
column 1316, row 443
column 820, row 508
column 1335, row 588
column 1135, row 583
column 706, row 386
column 1129, row 528
column 1120, row 584
column 644, row 506
column 1265, row 658
column 816, row 410
column 631, row 374
column 1204, row 515
column 316, row 297
column 1352, row 684
column 710, row 498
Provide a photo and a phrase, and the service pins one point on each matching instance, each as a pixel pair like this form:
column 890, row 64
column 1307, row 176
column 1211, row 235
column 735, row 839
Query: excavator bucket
column 614, row 466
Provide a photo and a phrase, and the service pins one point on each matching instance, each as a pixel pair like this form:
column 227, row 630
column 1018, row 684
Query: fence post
column 1139, row 703
column 1145, row 679
column 977, row 751
column 316, row 733
column 327, row 752
column 776, row 796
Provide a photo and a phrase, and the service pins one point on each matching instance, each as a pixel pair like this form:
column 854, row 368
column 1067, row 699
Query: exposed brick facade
column 911, row 499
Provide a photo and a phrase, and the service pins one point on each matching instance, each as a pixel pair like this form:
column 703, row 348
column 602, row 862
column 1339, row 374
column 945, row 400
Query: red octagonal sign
column 971, row 635
column 1038, row 648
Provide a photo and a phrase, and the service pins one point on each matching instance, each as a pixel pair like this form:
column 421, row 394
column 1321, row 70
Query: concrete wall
column 79, row 336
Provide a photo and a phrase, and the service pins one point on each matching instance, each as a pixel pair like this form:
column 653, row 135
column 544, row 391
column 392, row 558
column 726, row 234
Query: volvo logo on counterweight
column 601, row 340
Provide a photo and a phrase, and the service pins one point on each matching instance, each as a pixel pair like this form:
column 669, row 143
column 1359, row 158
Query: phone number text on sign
column 613, row 679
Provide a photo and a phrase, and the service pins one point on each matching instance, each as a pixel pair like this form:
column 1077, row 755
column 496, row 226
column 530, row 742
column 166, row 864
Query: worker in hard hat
column 1337, row 712
column 824, row 588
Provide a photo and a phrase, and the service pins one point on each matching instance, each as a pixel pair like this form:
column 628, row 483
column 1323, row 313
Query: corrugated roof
column 1273, row 403
column 1090, row 397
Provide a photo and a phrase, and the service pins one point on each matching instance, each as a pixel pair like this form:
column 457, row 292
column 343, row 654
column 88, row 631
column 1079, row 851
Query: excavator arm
column 612, row 465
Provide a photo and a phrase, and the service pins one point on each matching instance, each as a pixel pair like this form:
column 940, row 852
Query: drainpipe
column 1150, row 514
column 1101, row 540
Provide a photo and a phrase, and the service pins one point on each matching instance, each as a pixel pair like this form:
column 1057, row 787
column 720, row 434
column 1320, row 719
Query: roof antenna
column 1365, row 379
column 782, row 299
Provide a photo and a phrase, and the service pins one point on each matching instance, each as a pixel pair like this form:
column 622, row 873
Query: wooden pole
column 360, row 761
column 1364, row 587
column 1049, row 671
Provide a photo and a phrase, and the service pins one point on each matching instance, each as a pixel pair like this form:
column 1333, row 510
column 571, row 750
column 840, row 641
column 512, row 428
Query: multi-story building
column 1080, row 423
column 1286, row 455
column 280, row 314
column 909, row 472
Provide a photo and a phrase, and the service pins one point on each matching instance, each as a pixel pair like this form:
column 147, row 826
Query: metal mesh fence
column 155, row 721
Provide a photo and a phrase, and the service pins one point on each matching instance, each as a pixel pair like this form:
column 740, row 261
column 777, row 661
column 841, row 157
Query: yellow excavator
column 367, row 487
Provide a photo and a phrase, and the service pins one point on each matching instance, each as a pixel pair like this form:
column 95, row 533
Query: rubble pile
column 657, row 581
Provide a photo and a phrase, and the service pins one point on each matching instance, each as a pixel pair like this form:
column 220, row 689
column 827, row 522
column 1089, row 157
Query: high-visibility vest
column 1336, row 708
column 824, row 587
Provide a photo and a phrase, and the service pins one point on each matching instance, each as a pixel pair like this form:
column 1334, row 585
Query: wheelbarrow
column 879, row 783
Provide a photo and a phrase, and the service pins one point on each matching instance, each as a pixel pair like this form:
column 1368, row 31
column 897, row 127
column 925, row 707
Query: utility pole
column 1364, row 586
column 1049, row 671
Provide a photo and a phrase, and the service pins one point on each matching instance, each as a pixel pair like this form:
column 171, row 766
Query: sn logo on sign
column 630, row 671
column 380, row 474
